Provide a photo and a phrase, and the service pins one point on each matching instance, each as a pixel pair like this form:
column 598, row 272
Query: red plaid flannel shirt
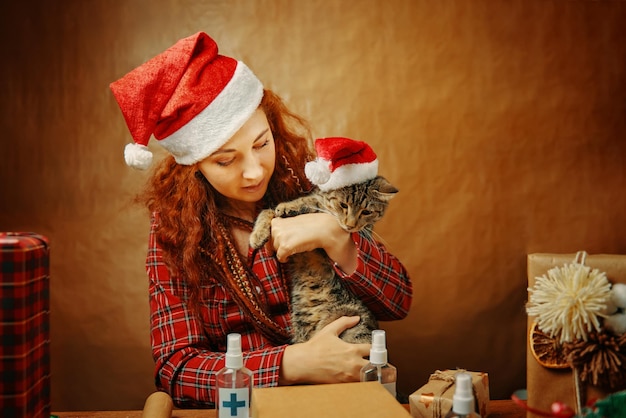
column 188, row 357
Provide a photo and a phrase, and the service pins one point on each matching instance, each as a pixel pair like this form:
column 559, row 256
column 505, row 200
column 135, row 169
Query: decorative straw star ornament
column 568, row 302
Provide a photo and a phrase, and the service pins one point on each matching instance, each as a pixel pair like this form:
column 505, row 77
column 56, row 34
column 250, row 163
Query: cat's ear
column 385, row 190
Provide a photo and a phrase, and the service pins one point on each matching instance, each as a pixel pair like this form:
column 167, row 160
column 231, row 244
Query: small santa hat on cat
column 341, row 162
column 189, row 97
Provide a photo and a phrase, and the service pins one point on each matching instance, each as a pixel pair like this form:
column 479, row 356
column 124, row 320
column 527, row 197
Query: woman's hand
column 325, row 358
column 310, row 231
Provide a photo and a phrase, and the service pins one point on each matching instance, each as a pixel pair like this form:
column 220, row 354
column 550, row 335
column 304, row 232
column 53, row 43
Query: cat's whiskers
column 378, row 237
column 313, row 208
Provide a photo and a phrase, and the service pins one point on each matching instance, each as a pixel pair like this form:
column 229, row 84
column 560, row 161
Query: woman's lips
column 254, row 189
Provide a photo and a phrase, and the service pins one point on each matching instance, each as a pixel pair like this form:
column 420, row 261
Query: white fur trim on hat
column 219, row 121
column 349, row 174
column 137, row 156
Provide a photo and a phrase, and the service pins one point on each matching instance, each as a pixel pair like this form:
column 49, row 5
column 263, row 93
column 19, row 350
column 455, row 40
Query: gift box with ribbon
column 434, row 399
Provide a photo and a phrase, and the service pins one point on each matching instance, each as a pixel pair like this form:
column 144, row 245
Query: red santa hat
column 341, row 162
column 190, row 98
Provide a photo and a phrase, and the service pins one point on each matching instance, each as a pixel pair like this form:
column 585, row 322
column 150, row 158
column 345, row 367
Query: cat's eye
column 344, row 205
column 366, row 212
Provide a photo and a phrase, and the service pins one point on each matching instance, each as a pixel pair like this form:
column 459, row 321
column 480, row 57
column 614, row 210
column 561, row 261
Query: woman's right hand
column 325, row 358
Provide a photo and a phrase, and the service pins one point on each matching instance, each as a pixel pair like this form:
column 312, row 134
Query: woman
column 236, row 149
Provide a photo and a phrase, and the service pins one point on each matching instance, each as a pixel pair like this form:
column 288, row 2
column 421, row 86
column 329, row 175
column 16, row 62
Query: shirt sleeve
column 380, row 280
column 186, row 356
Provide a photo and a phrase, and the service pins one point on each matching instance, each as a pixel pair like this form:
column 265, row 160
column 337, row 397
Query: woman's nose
column 252, row 168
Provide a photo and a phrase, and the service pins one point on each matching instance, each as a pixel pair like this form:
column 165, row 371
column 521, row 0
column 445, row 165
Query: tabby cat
column 318, row 296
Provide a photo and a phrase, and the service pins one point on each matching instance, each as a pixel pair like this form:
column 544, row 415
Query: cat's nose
column 351, row 226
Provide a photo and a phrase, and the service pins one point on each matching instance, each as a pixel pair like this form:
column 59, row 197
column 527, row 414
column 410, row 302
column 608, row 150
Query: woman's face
column 241, row 169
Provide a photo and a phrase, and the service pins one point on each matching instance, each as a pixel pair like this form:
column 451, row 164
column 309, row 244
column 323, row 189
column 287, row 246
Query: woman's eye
column 224, row 163
column 263, row 144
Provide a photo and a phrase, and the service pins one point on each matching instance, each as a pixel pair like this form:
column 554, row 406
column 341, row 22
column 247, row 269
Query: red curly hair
column 188, row 206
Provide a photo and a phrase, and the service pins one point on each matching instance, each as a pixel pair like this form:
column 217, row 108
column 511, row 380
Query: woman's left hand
column 310, row 231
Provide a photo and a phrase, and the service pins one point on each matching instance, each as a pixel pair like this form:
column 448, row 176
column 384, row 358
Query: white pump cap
column 463, row 398
column 234, row 356
column 378, row 352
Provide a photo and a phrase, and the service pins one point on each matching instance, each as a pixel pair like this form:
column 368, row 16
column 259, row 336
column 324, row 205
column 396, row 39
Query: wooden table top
column 497, row 409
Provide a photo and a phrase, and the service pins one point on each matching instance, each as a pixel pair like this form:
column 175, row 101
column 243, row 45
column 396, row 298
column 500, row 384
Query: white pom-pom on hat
column 317, row 171
column 137, row 156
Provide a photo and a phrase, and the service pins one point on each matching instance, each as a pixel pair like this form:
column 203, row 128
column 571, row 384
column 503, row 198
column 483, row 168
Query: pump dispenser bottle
column 378, row 369
column 233, row 383
column 463, row 398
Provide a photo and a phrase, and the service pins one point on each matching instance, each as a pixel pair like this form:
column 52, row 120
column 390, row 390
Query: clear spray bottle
column 234, row 383
column 463, row 398
column 378, row 369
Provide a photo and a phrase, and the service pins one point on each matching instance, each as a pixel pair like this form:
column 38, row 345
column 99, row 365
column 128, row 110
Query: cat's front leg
column 262, row 229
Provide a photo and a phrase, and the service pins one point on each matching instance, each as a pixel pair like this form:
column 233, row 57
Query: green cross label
column 233, row 403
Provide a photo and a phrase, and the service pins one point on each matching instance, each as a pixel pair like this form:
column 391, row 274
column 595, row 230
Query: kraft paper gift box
column 434, row 399
column 24, row 325
column 338, row 400
column 548, row 385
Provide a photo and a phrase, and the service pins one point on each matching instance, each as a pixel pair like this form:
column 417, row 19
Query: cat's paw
column 284, row 211
column 262, row 229
column 289, row 209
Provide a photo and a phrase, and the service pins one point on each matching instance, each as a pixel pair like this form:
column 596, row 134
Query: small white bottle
column 378, row 369
column 233, row 383
column 463, row 398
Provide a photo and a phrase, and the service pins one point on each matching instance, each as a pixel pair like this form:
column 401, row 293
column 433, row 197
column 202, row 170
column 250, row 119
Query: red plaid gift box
column 24, row 325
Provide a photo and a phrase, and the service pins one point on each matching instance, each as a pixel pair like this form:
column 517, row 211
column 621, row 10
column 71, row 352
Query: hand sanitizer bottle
column 378, row 369
column 463, row 398
column 234, row 383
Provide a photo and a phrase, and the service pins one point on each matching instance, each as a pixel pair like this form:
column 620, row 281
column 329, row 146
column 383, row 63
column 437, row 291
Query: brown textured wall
column 502, row 123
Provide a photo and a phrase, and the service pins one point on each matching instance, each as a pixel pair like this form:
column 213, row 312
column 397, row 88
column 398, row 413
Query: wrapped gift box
column 24, row 325
column 548, row 385
column 434, row 399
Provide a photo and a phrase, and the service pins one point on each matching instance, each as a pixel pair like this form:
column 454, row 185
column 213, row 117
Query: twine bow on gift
column 444, row 380
column 446, row 376
column 434, row 400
